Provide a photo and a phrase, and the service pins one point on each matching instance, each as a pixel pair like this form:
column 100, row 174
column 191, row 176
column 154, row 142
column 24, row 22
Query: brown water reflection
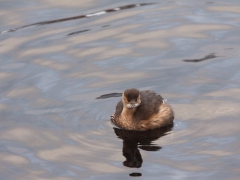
column 53, row 127
column 132, row 140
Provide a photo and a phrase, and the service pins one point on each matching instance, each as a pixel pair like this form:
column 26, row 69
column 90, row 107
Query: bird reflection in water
column 135, row 140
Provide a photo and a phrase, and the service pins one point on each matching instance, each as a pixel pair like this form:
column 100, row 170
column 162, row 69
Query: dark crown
column 131, row 94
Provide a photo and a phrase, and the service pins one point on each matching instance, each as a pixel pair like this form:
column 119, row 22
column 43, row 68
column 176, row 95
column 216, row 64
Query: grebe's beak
column 132, row 105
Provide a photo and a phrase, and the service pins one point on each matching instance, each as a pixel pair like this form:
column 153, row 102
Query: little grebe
column 142, row 110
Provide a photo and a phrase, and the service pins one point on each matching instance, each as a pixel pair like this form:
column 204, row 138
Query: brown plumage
column 142, row 110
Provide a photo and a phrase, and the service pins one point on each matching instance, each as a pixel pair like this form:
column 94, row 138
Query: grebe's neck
column 127, row 112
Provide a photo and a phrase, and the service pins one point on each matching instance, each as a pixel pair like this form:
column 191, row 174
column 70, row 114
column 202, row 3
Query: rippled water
column 62, row 63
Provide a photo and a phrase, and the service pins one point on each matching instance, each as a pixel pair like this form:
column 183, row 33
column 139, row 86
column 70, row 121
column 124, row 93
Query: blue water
column 56, row 58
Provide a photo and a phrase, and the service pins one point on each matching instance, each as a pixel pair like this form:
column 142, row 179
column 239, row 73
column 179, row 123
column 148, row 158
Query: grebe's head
column 131, row 98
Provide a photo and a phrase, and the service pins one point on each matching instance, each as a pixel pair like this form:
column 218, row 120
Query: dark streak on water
column 210, row 56
column 82, row 31
column 78, row 32
column 79, row 17
column 135, row 174
column 106, row 26
column 110, row 95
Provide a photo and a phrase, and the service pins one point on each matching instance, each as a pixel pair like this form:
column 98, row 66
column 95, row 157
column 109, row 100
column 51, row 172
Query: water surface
column 63, row 66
